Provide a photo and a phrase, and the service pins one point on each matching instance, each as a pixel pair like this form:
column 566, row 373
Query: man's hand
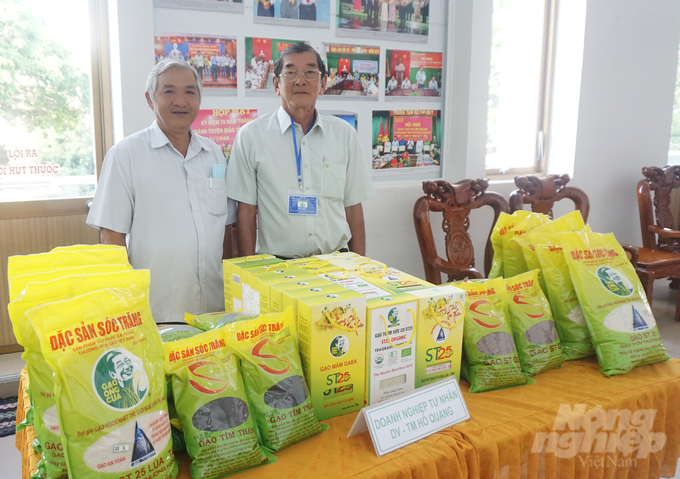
column 107, row 236
column 355, row 220
column 245, row 218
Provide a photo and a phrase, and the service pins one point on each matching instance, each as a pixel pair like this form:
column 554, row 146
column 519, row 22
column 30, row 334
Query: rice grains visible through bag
column 273, row 376
column 491, row 360
column 538, row 344
column 211, row 401
column 615, row 305
column 208, row 321
column 567, row 312
column 105, row 351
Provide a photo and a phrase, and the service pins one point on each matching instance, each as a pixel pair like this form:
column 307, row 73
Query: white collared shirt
column 174, row 215
column 263, row 171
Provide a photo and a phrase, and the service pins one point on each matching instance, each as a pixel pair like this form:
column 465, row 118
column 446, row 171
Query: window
column 674, row 147
column 519, row 86
column 50, row 115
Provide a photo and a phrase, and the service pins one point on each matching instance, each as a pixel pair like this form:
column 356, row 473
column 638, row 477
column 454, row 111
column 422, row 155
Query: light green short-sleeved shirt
column 263, row 172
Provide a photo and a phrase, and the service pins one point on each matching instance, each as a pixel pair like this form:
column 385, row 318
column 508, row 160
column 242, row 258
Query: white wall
column 624, row 111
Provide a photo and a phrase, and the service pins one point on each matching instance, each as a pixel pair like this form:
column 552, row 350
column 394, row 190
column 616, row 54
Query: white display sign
column 365, row 66
column 399, row 422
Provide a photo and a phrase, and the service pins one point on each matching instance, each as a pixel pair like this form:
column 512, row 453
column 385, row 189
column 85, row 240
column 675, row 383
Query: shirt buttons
column 310, row 234
column 304, row 142
column 306, row 165
column 327, row 165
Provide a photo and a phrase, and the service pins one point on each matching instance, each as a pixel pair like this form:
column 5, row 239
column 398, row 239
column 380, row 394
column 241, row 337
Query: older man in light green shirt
column 298, row 174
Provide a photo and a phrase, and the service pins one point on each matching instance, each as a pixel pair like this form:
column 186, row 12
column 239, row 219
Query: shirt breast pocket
column 216, row 196
column 333, row 181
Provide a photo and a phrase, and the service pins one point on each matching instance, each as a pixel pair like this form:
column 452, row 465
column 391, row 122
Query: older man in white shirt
column 300, row 173
column 162, row 192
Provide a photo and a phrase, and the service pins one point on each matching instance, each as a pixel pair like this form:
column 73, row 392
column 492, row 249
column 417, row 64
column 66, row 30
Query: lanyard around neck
column 298, row 152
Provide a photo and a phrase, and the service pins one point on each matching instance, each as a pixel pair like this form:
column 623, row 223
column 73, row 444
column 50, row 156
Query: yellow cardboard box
column 239, row 271
column 332, row 339
column 337, row 254
column 251, row 284
column 355, row 283
column 393, row 280
column 227, row 273
column 263, row 286
column 277, row 290
column 391, row 345
column 439, row 333
column 290, row 297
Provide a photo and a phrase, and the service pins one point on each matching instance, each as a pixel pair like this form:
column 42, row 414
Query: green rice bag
column 105, row 350
column 211, row 401
column 174, row 332
column 208, row 321
column 40, row 374
column 503, row 223
column 513, row 258
column 538, row 344
column 570, row 222
column 491, row 360
column 567, row 312
column 614, row 303
column 272, row 371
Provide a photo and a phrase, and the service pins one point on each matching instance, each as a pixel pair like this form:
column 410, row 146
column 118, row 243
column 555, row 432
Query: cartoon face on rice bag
column 616, row 310
column 491, row 360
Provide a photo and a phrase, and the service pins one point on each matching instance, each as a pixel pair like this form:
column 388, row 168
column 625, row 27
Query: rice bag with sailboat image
column 614, row 303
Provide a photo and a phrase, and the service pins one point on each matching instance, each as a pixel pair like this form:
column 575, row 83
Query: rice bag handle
column 316, row 264
column 277, row 265
column 413, row 334
column 253, row 258
column 382, row 271
column 343, row 274
column 434, row 315
column 342, row 328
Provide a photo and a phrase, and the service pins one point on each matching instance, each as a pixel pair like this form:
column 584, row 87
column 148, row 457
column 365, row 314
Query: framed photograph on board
column 411, row 74
column 353, row 72
column 221, row 126
column 300, row 13
column 406, row 141
column 261, row 55
column 214, row 58
column 229, row 6
column 403, row 20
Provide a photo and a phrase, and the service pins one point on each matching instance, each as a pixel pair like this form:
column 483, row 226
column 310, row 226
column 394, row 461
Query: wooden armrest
column 631, row 252
column 668, row 233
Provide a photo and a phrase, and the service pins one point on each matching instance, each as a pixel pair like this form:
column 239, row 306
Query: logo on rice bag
column 485, row 320
column 119, row 379
column 276, row 367
column 614, row 281
column 393, row 318
column 339, row 346
column 208, row 377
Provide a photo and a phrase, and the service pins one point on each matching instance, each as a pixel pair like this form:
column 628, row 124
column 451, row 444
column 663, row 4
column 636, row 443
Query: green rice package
column 533, row 327
column 567, row 312
column 211, row 401
column 274, row 380
column 106, row 353
column 174, row 332
column 570, row 222
column 40, row 374
column 491, row 360
column 614, row 303
column 503, row 224
column 513, row 258
column 208, row 321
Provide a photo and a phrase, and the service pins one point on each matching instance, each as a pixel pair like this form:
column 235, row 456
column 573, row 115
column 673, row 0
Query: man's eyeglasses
column 309, row 75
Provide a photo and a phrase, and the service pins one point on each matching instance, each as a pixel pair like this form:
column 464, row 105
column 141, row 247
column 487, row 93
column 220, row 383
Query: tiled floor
column 663, row 307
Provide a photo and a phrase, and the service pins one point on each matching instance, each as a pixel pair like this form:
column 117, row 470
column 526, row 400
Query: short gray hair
column 171, row 63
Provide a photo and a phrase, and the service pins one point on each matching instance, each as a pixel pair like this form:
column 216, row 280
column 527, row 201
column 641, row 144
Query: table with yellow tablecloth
column 512, row 433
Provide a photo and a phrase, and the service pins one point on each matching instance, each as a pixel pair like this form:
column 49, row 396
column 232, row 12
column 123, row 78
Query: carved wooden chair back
column 542, row 193
column 454, row 201
column 656, row 220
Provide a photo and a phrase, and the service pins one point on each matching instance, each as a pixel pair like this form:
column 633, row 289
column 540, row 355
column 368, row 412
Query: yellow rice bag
column 614, row 303
column 39, row 373
column 105, row 351
column 503, row 224
column 513, row 259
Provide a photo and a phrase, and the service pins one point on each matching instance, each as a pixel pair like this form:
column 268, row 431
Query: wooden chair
column 542, row 193
column 659, row 256
column 455, row 202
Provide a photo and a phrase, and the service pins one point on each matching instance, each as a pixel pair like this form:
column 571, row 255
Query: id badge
column 303, row 204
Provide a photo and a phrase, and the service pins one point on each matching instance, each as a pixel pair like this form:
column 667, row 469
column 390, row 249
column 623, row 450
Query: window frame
column 103, row 123
column 544, row 103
